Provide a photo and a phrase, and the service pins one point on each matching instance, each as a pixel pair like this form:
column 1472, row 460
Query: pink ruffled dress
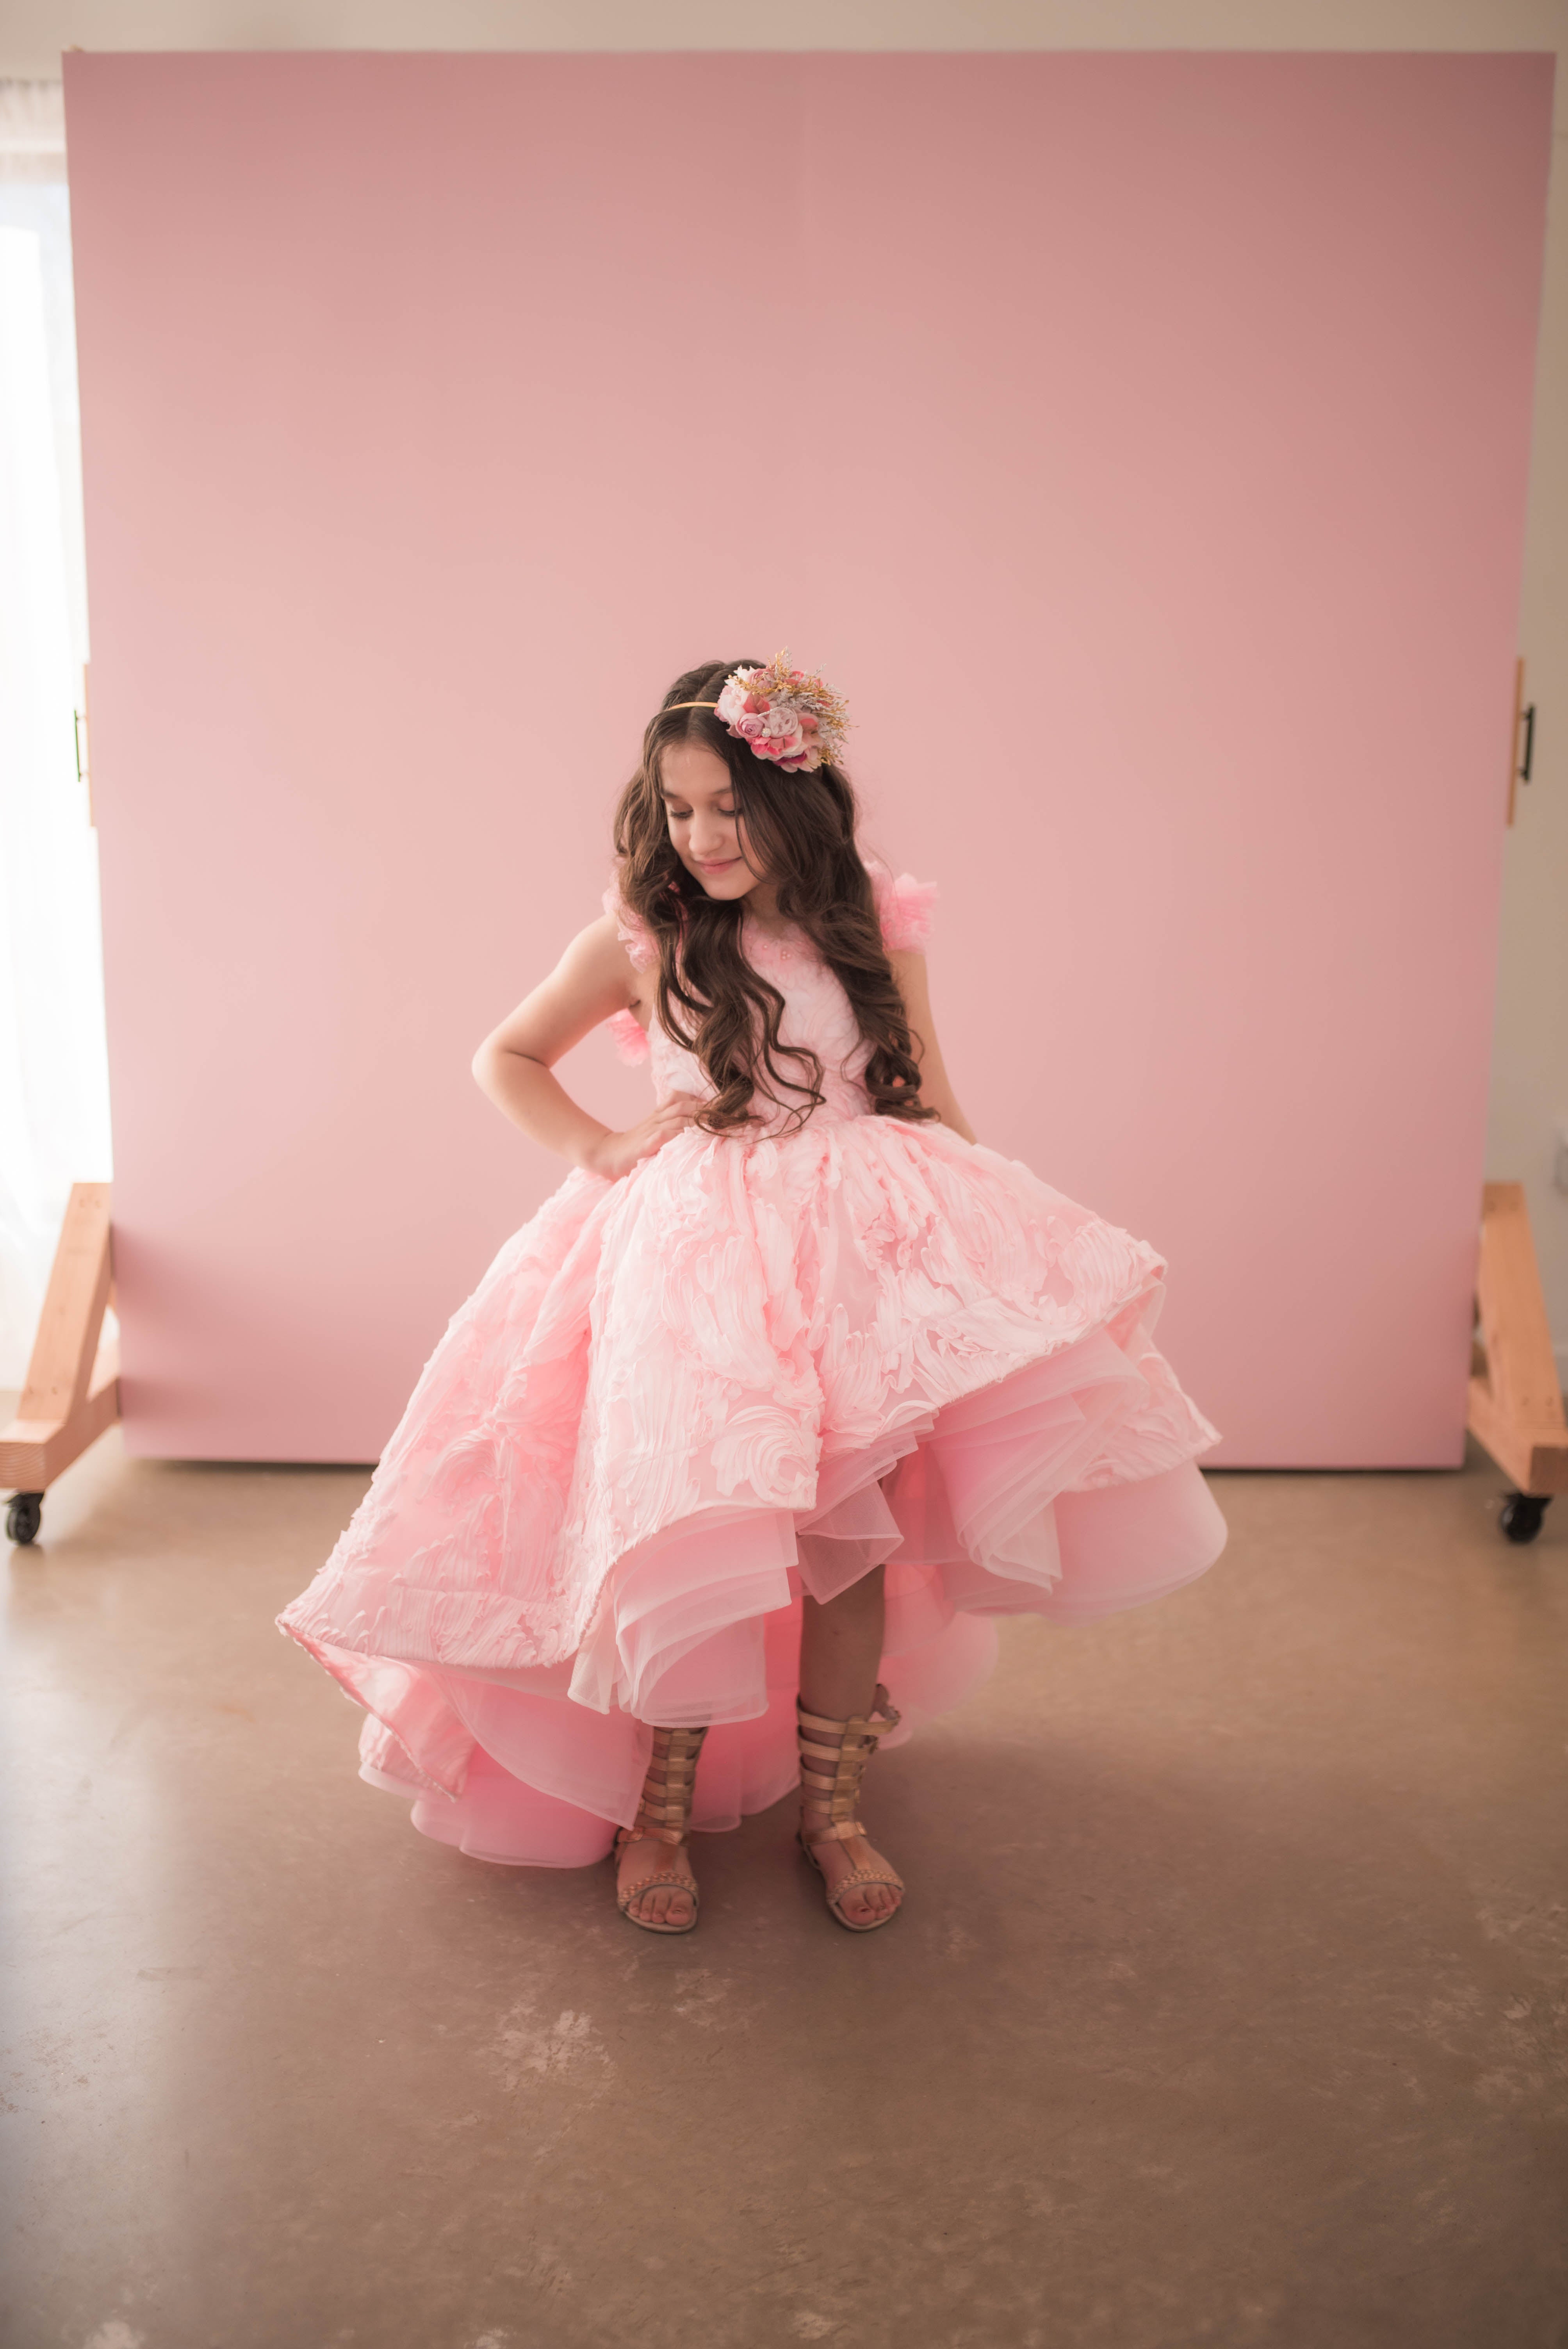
column 759, row 1364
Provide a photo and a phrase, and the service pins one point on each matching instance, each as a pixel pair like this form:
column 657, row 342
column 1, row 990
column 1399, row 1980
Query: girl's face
column 708, row 834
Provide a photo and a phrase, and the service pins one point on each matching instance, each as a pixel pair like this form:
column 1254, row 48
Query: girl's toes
column 669, row 1903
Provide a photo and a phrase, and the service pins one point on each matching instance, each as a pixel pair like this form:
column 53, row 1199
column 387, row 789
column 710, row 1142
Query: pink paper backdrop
column 1139, row 441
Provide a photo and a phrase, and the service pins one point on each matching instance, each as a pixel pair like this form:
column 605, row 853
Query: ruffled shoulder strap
column 629, row 1036
column 903, row 907
column 633, row 933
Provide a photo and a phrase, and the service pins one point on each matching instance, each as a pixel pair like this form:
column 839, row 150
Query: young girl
column 785, row 1391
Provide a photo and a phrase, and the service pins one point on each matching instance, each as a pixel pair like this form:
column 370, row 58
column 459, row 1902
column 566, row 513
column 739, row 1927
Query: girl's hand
column 615, row 1155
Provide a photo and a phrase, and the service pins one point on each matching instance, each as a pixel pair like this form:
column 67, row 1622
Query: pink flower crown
column 782, row 713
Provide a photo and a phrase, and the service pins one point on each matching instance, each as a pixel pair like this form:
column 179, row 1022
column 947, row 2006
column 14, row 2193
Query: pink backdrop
column 1139, row 441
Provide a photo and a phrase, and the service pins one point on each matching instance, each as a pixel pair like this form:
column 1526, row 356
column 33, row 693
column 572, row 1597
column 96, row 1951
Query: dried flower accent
column 784, row 714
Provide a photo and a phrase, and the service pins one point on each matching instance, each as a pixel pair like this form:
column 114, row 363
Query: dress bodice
column 816, row 1012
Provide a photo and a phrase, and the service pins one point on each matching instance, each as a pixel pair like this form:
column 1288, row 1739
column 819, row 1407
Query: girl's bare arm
column 909, row 969
column 593, row 979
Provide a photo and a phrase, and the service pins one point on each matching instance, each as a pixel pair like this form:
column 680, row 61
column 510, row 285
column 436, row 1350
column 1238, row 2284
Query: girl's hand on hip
column 616, row 1153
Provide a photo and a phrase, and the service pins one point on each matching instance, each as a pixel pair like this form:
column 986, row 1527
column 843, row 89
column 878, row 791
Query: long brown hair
column 802, row 828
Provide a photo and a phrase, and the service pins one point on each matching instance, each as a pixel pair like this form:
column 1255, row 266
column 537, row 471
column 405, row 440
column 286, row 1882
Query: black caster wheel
column 24, row 1516
column 1522, row 1516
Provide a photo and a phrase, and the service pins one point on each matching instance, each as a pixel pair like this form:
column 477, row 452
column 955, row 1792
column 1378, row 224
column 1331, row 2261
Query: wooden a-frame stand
column 72, row 1393
column 1515, row 1401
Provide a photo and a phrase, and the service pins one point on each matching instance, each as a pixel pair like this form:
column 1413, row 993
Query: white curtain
column 54, row 1081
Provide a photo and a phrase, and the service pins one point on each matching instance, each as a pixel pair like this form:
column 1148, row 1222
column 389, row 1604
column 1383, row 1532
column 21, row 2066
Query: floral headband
column 781, row 713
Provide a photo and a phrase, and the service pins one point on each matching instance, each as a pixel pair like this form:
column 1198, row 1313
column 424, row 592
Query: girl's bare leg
column 841, row 1654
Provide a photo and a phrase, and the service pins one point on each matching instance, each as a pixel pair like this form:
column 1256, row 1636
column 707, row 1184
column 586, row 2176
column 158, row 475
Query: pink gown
column 758, row 1364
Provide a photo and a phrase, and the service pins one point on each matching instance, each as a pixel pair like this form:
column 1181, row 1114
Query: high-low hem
column 537, row 1765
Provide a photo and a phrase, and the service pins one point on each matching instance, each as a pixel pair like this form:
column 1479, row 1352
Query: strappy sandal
column 663, row 1816
column 837, row 1788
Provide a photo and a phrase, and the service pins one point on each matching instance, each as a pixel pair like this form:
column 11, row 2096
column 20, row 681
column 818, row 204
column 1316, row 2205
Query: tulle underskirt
column 702, row 1625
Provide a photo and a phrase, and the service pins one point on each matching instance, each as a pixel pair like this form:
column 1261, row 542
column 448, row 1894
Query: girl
column 792, row 1384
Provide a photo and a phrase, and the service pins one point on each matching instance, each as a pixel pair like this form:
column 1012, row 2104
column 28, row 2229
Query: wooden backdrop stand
column 1515, row 1401
column 72, row 1393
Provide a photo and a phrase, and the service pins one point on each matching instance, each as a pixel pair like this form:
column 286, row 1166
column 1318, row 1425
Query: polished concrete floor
column 1227, row 2008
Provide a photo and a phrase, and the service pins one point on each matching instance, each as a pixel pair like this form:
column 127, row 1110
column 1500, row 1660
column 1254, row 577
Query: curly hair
column 800, row 829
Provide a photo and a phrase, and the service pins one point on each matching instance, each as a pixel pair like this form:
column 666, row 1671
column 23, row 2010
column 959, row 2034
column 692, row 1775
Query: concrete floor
column 1227, row 2006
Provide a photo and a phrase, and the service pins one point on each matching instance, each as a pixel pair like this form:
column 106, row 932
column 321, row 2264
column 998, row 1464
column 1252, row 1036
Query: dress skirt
column 749, row 1370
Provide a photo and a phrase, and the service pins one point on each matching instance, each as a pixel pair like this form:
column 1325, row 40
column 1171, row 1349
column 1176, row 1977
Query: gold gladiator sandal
column 663, row 1816
column 831, row 1776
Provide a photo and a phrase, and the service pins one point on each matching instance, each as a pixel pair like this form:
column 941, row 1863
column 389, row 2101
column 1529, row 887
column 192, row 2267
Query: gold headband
column 691, row 705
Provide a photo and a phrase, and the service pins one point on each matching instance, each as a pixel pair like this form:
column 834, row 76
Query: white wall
column 1529, row 1082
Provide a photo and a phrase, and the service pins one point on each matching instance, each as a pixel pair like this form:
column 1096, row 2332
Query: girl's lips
column 722, row 866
